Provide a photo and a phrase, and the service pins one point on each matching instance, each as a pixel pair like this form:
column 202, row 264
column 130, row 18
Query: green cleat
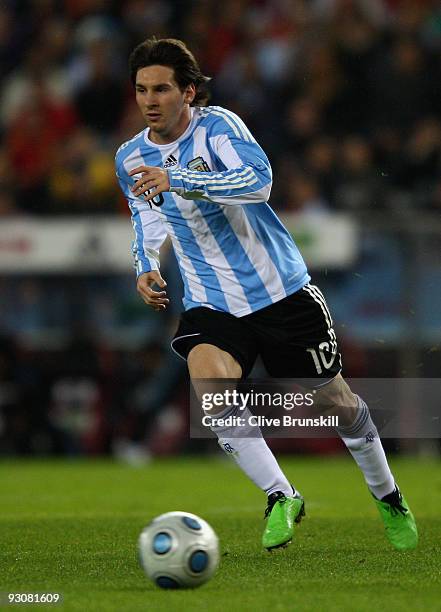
column 282, row 512
column 399, row 521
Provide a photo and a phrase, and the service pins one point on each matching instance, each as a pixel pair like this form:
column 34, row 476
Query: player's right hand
column 156, row 299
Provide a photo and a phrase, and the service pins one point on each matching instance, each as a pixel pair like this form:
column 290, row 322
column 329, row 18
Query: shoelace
column 272, row 499
column 398, row 508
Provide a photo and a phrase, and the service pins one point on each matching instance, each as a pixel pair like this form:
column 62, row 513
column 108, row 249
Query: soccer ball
column 178, row 550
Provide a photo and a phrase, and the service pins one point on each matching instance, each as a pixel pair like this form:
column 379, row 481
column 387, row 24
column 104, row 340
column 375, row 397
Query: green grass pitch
column 72, row 528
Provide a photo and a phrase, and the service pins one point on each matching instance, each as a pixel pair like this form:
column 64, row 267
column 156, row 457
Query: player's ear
column 190, row 93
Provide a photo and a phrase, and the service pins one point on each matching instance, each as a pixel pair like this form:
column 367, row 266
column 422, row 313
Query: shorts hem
column 181, row 338
column 327, row 381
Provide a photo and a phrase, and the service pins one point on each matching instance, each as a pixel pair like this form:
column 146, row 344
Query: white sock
column 252, row 453
column 362, row 441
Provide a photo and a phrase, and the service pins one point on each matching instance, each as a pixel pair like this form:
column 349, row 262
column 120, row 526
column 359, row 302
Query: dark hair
column 174, row 54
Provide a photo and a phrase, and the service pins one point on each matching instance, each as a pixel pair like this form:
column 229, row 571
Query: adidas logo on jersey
column 170, row 161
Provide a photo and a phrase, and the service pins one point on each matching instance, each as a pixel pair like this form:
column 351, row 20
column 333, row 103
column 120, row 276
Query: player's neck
column 176, row 132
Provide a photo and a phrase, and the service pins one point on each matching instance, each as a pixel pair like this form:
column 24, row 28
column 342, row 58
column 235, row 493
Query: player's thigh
column 209, row 361
column 207, row 364
column 219, row 344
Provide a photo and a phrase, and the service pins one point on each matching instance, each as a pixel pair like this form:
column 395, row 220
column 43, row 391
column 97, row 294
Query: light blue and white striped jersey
column 233, row 252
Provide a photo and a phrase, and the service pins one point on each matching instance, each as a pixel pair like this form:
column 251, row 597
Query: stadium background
column 344, row 96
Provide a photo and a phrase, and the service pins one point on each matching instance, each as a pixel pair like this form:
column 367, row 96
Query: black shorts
column 294, row 337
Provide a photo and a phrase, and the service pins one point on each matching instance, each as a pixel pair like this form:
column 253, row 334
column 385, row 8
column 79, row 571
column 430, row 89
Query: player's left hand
column 153, row 181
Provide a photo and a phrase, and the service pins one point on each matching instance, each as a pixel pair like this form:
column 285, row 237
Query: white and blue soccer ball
column 178, row 550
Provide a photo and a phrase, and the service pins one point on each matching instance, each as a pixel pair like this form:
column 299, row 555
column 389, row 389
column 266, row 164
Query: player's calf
column 336, row 399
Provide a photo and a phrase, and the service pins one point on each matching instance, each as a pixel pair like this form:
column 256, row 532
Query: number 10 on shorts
column 319, row 357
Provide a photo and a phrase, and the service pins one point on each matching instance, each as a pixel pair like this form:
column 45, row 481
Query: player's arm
column 149, row 236
column 247, row 177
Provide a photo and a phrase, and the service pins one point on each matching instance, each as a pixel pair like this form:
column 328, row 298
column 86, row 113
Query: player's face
column 163, row 105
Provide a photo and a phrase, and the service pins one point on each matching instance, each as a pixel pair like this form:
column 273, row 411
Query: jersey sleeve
column 246, row 177
column 148, row 228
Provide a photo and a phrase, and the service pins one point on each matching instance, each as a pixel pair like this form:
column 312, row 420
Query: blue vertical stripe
column 233, row 251
column 230, row 246
column 189, row 246
column 279, row 245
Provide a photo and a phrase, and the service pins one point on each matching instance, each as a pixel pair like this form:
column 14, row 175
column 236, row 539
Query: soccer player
column 197, row 174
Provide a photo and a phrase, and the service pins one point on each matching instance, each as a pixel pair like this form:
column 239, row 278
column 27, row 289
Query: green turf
column 72, row 528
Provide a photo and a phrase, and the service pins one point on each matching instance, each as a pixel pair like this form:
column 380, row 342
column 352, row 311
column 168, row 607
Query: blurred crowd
column 89, row 399
column 344, row 95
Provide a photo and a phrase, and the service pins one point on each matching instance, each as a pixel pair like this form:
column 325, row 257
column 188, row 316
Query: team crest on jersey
column 199, row 164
